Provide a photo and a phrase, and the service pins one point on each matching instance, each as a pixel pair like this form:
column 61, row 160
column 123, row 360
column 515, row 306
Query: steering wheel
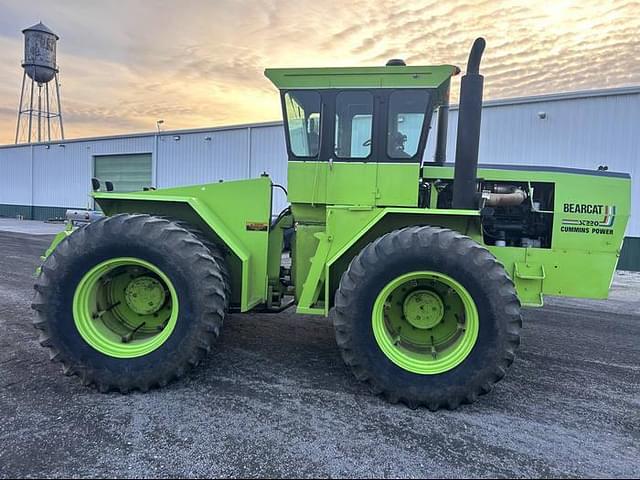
column 367, row 143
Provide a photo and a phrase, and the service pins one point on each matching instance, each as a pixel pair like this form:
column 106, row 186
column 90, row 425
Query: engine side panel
column 571, row 229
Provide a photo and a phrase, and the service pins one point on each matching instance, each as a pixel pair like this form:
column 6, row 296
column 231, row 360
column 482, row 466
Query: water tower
column 39, row 108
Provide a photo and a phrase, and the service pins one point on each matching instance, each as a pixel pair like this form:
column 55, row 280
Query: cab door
column 404, row 121
column 305, row 115
column 351, row 168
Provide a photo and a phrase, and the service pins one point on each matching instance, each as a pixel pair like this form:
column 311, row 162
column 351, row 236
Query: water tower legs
column 42, row 110
column 59, row 115
column 24, row 76
column 46, row 89
column 30, row 111
column 39, row 112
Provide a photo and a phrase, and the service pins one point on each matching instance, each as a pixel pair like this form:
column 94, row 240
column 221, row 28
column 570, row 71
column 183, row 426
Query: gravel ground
column 30, row 227
column 276, row 400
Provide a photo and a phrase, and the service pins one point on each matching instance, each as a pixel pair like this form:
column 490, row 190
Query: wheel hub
column 423, row 309
column 425, row 322
column 145, row 295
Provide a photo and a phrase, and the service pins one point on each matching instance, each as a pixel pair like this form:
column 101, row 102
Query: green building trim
column 29, row 212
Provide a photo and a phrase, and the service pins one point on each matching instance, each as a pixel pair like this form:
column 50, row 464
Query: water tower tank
column 40, row 52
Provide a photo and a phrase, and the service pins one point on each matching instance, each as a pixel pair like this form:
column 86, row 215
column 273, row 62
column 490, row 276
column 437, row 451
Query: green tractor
column 423, row 266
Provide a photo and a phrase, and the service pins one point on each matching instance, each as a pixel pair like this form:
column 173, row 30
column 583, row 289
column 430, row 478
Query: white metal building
column 580, row 129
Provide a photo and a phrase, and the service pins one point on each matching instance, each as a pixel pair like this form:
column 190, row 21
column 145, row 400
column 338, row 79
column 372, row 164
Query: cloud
column 125, row 64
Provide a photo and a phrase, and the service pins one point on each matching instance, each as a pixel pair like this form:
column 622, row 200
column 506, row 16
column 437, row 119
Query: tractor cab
column 354, row 135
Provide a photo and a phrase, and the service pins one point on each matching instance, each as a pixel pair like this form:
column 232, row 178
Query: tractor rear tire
column 216, row 252
column 427, row 317
column 130, row 302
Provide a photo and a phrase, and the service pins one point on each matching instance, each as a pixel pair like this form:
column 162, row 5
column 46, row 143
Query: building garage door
column 129, row 173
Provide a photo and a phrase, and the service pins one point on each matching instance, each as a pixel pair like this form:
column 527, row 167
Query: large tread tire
column 196, row 277
column 218, row 254
column 434, row 249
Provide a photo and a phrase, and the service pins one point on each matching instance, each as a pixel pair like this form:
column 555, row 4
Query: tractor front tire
column 427, row 317
column 130, row 302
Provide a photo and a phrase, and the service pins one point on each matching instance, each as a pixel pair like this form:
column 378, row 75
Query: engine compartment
column 513, row 214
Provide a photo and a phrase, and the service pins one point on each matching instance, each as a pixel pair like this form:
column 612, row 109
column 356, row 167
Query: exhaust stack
column 465, row 194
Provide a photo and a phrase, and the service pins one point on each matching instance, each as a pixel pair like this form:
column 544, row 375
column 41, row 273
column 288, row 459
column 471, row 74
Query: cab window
column 303, row 122
column 407, row 109
column 354, row 120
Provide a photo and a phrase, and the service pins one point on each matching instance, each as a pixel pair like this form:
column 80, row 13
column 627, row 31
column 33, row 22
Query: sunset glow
column 125, row 64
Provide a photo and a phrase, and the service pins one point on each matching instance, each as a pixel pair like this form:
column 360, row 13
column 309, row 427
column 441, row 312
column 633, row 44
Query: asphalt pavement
column 274, row 399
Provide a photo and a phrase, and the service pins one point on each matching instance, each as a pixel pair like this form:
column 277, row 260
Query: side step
column 528, row 278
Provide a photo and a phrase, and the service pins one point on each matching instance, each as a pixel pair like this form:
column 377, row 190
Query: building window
column 303, row 122
column 407, row 109
column 354, row 120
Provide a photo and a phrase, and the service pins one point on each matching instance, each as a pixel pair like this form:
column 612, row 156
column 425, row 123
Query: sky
column 200, row 63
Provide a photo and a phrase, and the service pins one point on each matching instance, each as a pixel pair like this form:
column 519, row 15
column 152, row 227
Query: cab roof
column 361, row 77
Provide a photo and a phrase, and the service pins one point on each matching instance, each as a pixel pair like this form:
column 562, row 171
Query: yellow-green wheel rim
column 107, row 317
column 425, row 322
